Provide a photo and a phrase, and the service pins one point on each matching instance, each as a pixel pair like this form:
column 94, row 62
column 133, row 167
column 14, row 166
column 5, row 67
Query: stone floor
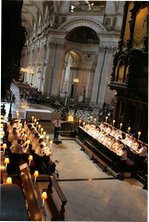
column 92, row 194
column 98, row 196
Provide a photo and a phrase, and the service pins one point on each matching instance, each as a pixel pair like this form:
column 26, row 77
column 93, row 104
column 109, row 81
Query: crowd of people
column 25, row 139
column 117, row 141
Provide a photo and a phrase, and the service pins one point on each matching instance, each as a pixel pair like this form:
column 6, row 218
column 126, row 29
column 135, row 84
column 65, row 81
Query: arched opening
column 70, row 80
column 84, row 35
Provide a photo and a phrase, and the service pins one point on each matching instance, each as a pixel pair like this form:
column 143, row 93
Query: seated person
column 130, row 141
column 135, row 145
column 113, row 132
column 126, row 139
column 109, row 141
column 108, row 130
column 17, row 147
column 142, row 151
column 118, row 134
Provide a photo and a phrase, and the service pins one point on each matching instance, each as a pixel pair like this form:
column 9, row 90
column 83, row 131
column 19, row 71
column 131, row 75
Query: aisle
column 92, row 194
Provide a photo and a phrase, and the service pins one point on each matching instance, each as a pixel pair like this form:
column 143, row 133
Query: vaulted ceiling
column 35, row 12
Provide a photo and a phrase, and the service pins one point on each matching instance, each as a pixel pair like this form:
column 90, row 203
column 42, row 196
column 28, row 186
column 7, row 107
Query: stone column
column 54, row 69
column 108, row 58
column 97, row 76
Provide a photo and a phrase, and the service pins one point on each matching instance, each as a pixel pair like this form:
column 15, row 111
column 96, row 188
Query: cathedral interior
column 74, row 110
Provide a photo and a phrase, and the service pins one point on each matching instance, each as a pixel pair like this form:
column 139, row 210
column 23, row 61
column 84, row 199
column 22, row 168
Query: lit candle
column 139, row 134
column 47, row 138
column 17, row 114
column 1, row 126
column 4, row 147
column 94, row 120
column 2, row 133
column 41, row 130
column 6, row 161
column 19, row 121
column 43, row 197
column 28, row 141
column 106, row 118
column 30, row 158
column 80, row 122
column 113, row 122
column 33, row 119
column 121, row 124
column 51, row 143
column 39, row 126
column 2, row 121
column 91, row 118
column 129, row 128
column 83, row 123
column 2, row 116
column 44, row 133
column 36, row 174
column 9, row 180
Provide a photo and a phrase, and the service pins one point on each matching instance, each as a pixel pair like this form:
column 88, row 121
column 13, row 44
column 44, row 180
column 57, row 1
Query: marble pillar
column 97, row 76
column 107, row 63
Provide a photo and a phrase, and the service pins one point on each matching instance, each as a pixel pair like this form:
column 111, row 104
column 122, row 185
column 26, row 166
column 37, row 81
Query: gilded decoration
column 140, row 29
column 127, row 27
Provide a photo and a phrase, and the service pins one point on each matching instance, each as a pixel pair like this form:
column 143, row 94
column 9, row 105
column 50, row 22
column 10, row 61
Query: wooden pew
column 56, row 214
column 30, row 194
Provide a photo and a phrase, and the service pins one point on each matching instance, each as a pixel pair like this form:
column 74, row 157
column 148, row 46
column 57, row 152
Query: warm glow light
column 47, row 137
column 80, row 120
column 70, row 118
column 28, row 141
column 91, row 117
column 139, row 133
column 9, row 180
column 41, row 129
column 6, row 160
column 35, row 120
column 4, row 146
column 39, row 126
column 36, row 173
column 51, row 142
column 44, row 195
column 44, row 133
column 83, row 123
column 2, row 116
column 30, row 157
column 33, row 117
column 2, row 133
column 1, row 126
column 1, row 120
column 76, row 80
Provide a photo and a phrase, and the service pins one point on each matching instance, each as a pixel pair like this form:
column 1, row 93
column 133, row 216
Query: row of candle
column 113, row 123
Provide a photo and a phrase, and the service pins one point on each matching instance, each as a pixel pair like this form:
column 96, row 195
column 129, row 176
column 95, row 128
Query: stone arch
column 79, row 21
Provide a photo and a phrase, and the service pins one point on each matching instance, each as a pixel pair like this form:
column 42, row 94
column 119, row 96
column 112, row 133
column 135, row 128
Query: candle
column 1, row 126
column 83, row 123
column 47, row 137
column 41, row 130
column 4, row 147
column 129, row 128
column 106, row 118
column 43, row 197
column 80, row 122
column 36, row 174
column 2, row 133
column 94, row 120
column 113, row 122
column 44, row 133
column 121, row 124
column 28, row 141
column 17, row 114
column 9, row 180
column 91, row 118
column 30, row 158
column 19, row 121
column 139, row 134
column 6, row 161
column 2, row 121
column 51, row 143
column 2, row 116
column 33, row 119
